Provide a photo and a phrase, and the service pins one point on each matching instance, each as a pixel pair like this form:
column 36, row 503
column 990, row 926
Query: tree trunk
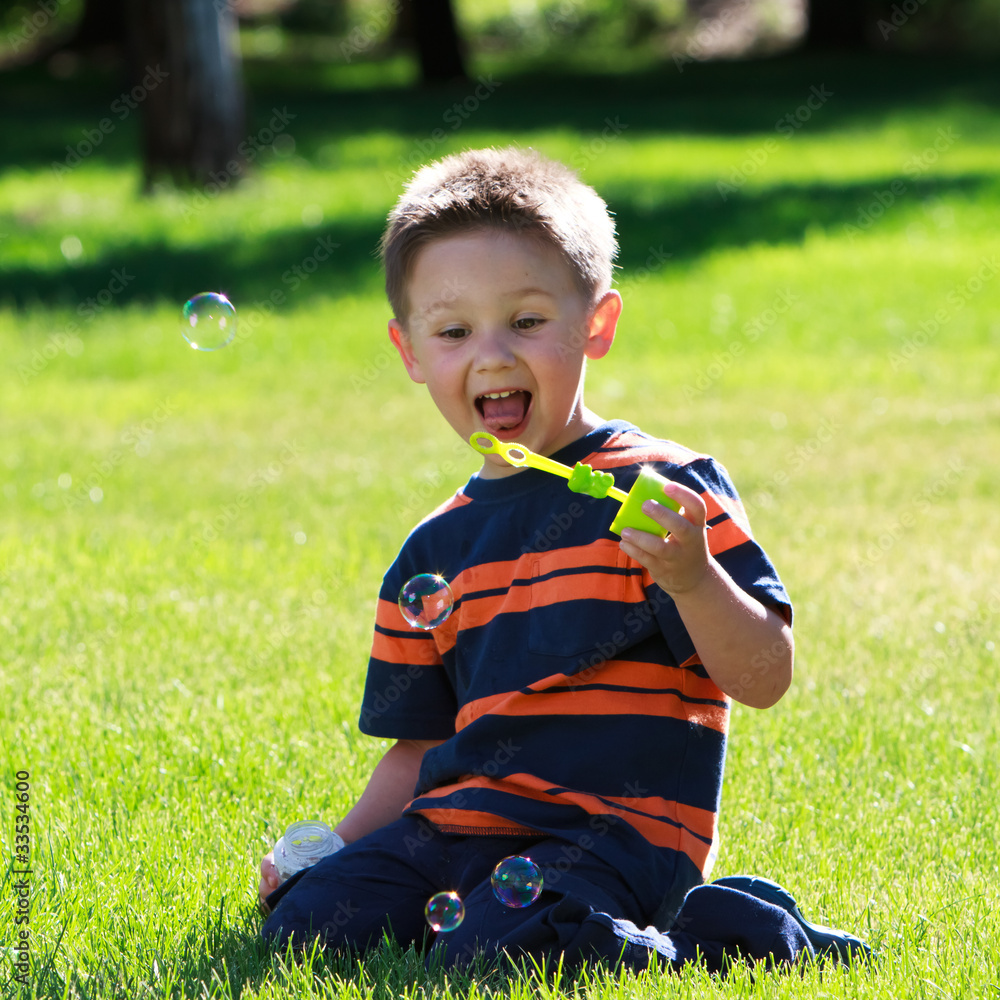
column 188, row 85
column 838, row 24
column 439, row 47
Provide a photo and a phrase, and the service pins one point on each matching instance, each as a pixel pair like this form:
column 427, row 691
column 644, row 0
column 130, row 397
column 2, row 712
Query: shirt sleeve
column 408, row 694
column 730, row 541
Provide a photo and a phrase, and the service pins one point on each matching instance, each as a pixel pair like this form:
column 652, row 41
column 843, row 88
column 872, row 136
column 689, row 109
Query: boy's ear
column 602, row 324
column 401, row 341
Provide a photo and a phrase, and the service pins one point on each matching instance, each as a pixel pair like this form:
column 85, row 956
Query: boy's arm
column 746, row 648
column 389, row 788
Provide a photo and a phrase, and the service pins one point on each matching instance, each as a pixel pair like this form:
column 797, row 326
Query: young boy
column 574, row 707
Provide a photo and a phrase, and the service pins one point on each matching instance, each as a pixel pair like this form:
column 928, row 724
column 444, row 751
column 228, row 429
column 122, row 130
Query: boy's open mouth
column 503, row 411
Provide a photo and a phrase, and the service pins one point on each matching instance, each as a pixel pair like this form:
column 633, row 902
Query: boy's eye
column 454, row 333
column 527, row 323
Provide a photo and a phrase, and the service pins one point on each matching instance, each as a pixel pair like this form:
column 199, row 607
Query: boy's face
column 499, row 332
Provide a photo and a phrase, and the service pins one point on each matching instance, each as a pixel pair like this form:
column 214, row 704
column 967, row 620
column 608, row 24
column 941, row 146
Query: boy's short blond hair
column 510, row 190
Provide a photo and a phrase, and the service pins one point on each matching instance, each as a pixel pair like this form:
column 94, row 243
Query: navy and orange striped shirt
column 569, row 694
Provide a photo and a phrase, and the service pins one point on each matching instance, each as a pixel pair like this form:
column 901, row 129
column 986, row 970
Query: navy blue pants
column 381, row 883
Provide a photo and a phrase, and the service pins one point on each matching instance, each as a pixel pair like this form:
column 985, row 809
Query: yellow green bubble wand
column 584, row 479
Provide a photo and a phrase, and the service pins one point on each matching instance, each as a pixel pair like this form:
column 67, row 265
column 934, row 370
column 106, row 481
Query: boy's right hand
column 269, row 880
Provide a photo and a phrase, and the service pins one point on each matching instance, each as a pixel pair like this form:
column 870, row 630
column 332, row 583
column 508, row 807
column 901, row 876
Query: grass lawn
column 191, row 543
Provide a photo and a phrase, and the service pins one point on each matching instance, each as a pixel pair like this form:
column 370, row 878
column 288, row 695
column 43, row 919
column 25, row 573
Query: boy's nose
column 494, row 351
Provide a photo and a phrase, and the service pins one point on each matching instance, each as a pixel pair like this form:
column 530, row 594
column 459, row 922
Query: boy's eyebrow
column 532, row 290
column 449, row 300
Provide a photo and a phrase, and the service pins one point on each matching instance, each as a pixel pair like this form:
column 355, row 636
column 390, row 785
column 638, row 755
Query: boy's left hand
column 269, row 881
column 679, row 562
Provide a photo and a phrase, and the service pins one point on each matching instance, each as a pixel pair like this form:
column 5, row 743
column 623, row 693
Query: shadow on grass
column 40, row 117
column 283, row 263
column 226, row 960
column 297, row 266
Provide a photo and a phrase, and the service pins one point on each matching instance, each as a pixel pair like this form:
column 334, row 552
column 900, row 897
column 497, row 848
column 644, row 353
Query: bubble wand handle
column 519, row 456
column 596, row 483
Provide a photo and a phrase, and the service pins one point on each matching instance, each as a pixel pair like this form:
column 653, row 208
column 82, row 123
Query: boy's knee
column 289, row 923
column 278, row 932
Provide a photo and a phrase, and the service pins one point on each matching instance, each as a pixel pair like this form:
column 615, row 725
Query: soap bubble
column 208, row 321
column 444, row 911
column 517, row 882
column 426, row 600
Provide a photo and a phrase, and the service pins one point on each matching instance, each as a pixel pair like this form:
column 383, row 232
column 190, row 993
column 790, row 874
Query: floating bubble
column 208, row 321
column 444, row 911
column 517, row 882
column 426, row 600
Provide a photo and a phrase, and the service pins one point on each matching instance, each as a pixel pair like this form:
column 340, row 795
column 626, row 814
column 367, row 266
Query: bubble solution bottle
column 302, row 845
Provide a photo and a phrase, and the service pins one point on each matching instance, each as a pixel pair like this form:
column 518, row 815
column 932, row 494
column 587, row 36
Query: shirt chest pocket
column 577, row 610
